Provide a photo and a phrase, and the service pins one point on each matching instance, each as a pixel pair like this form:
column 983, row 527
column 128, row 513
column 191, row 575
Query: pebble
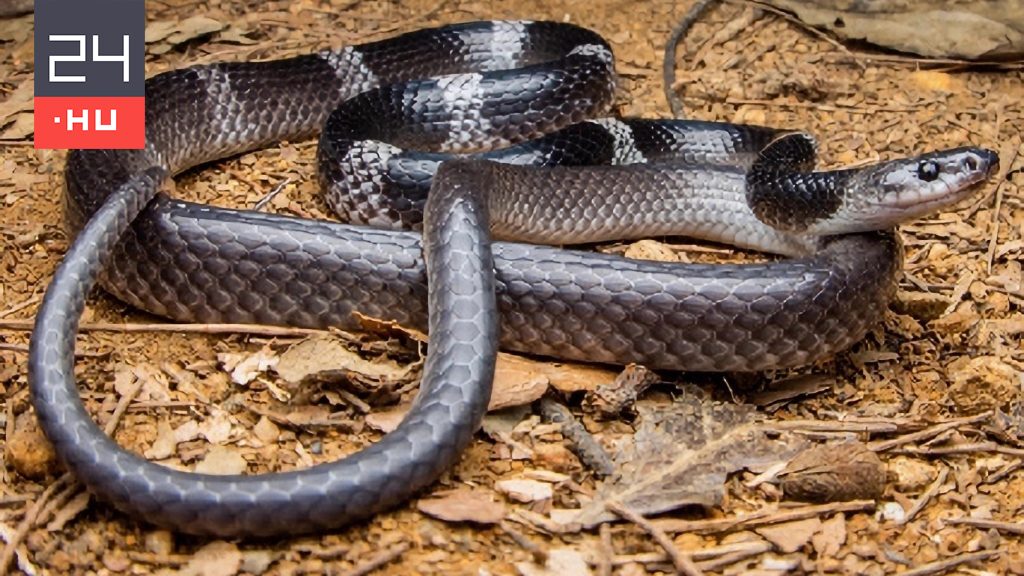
column 160, row 542
column 28, row 450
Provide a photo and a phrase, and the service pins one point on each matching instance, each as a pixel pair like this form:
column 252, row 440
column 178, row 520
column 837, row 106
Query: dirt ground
column 932, row 398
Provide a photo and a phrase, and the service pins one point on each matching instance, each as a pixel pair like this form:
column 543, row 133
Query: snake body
column 525, row 86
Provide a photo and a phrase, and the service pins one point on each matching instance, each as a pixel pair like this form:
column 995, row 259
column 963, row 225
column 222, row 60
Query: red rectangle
column 90, row 122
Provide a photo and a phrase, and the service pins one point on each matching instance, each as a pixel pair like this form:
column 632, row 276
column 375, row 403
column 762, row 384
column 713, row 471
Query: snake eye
column 928, row 171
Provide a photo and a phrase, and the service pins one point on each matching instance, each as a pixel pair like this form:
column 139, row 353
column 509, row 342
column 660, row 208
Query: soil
column 935, row 391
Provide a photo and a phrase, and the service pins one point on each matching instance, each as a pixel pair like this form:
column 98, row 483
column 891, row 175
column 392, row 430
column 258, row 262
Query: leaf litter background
column 909, row 446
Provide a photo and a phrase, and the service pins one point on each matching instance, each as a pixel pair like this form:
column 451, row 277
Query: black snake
column 454, row 89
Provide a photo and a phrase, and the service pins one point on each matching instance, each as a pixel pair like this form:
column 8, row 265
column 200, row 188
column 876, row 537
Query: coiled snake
column 454, row 89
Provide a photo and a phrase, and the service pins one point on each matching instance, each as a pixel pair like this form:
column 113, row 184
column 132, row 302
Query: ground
column 932, row 397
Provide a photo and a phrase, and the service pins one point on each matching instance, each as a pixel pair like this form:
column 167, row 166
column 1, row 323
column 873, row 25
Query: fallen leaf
column 244, row 368
column 326, row 357
column 985, row 30
column 218, row 558
column 831, row 537
column 781, row 392
column 790, row 536
column 524, row 490
column 266, row 430
column 560, row 562
column 463, row 505
column 563, row 376
column 175, row 32
column 223, row 460
column 20, row 100
column 386, row 421
column 682, row 452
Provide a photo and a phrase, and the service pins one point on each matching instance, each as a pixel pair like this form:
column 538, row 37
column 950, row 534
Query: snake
column 464, row 157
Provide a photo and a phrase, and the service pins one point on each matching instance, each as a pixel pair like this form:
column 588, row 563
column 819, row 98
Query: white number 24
column 81, row 56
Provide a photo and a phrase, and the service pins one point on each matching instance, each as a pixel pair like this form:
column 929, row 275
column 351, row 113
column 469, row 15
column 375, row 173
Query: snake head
column 884, row 195
column 916, row 187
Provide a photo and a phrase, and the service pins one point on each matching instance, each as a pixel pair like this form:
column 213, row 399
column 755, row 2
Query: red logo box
column 90, row 122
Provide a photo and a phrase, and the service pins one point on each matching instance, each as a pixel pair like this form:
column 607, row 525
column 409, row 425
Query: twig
column 606, row 551
column 668, row 65
column 581, row 442
column 682, row 562
column 764, row 517
column 1009, row 527
column 122, row 406
column 882, row 446
column 931, row 492
column 21, row 305
column 994, row 239
column 257, row 329
column 830, row 426
column 270, row 196
column 732, row 553
column 948, row 564
column 540, row 555
column 386, row 557
column 29, row 520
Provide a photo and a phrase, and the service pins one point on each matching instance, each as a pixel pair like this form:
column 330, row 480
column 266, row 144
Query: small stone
column 28, row 450
column 256, row 561
column 892, row 511
column 160, row 542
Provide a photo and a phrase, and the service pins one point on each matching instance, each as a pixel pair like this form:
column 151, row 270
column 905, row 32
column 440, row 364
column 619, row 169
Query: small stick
column 581, row 442
column 28, row 521
column 682, row 562
column 540, row 555
column 1009, row 527
column 607, row 551
column 668, row 65
column 882, row 446
column 765, row 517
column 21, row 305
column 925, row 498
column 270, row 196
column 948, row 564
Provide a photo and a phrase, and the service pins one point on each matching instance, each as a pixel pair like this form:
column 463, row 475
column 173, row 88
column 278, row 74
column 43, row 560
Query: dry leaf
column 790, row 536
column 20, row 100
column 177, row 32
column 218, row 558
column 244, row 368
column 223, row 460
column 524, row 490
column 560, row 562
column 781, row 392
column 565, row 377
column 22, row 127
column 326, row 357
column 682, row 452
column 387, row 420
column 831, row 537
column 463, row 506
column 986, row 30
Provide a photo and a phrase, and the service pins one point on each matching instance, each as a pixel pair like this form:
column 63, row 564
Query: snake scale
column 527, row 91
